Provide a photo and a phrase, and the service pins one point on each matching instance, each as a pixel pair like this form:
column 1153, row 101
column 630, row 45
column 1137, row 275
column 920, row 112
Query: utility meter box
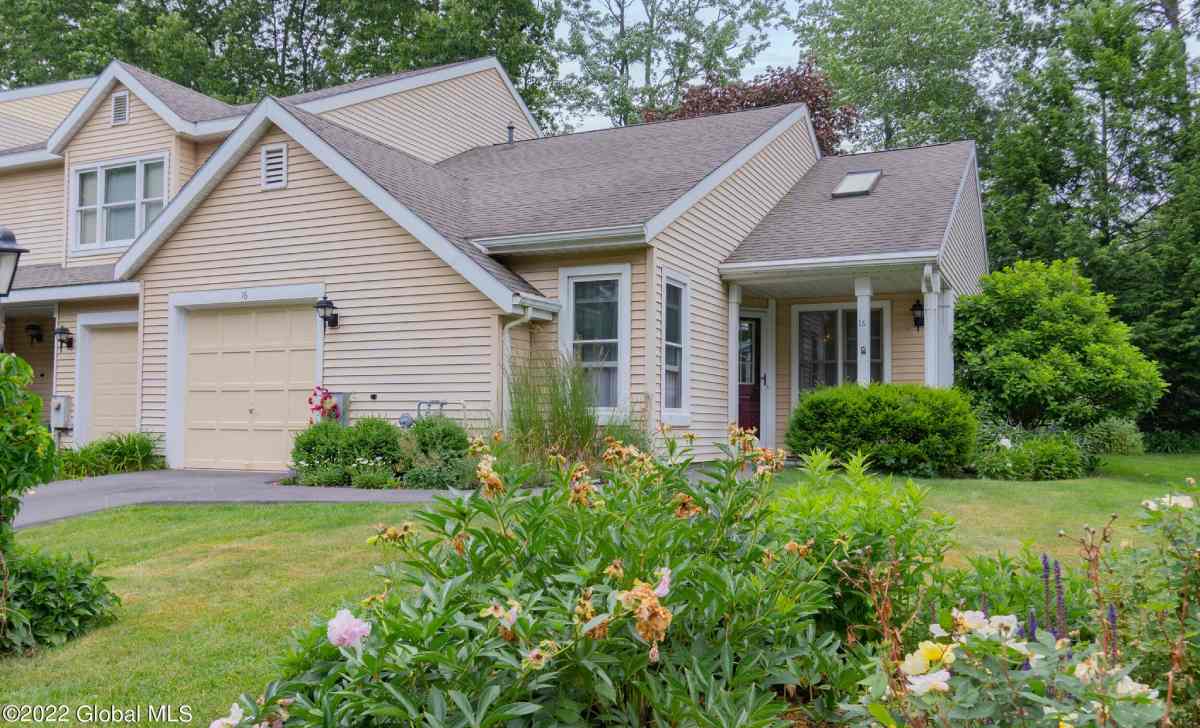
column 60, row 413
column 343, row 405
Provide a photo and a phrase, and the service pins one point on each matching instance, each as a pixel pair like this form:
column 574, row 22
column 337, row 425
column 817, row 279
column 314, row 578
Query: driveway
column 67, row 498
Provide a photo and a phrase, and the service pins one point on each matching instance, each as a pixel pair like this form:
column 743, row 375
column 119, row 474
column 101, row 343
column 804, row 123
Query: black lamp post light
column 327, row 312
column 918, row 314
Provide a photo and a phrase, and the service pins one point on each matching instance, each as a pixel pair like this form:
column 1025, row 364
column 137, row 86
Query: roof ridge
column 176, row 84
column 369, row 81
column 901, row 149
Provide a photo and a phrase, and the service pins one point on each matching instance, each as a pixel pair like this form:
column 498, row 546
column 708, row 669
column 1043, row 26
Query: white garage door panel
column 113, row 403
column 249, row 372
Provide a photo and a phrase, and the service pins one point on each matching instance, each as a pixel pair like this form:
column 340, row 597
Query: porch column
column 946, row 337
column 931, row 284
column 735, row 316
column 862, row 293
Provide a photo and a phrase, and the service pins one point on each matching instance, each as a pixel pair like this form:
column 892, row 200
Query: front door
column 750, row 374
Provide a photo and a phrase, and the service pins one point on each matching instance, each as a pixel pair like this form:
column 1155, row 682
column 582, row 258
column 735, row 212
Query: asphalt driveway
column 67, row 498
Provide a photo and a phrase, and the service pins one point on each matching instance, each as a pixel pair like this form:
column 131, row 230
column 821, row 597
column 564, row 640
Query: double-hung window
column 594, row 330
column 114, row 202
column 825, row 345
column 675, row 349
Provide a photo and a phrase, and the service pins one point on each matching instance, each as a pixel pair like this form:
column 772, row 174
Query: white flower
column 936, row 681
column 1023, row 648
column 936, row 630
column 1169, row 501
column 915, row 664
column 230, row 721
column 1087, row 670
column 1006, row 443
column 970, row 621
column 346, row 630
column 1127, row 687
column 1005, row 624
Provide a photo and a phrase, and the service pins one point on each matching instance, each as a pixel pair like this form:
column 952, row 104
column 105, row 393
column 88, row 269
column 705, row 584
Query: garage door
column 249, row 373
column 112, row 406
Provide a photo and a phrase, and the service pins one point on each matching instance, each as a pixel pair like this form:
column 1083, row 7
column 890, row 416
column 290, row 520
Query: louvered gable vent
column 120, row 108
column 274, row 166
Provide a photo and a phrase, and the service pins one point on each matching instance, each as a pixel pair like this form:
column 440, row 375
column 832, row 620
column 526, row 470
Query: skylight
column 857, row 183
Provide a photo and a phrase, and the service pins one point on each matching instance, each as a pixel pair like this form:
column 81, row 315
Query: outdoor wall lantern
column 34, row 332
column 64, row 337
column 9, row 255
column 327, row 312
column 918, row 314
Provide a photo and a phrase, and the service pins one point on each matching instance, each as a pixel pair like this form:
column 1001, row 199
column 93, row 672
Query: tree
column 915, row 69
column 832, row 122
column 1038, row 345
column 642, row 54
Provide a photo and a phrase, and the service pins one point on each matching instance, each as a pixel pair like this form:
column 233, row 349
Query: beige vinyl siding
column 64, row 359
column 411, row 327
column 543, row 271
column 696, row 244
column 440, row 120
column 32, row 205
column 98, row 140
column 34, row 118
column 39, row 355
column 963, row 259
column 908, row 349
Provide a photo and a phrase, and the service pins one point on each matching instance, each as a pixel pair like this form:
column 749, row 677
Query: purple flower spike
column 983, row 604
column 1112, row 631
column 1031, row 627
column 1049, row 613
column 1060, row 615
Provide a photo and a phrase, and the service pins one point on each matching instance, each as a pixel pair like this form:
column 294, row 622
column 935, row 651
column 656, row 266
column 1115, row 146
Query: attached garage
column 249, row 370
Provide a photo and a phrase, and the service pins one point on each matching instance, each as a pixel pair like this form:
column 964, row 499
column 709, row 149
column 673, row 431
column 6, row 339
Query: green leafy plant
column 904, row 428
column 53, row 599
column 1172, row 442
column 1038, row 345
column 439, row 472
column 376, row 440
column 1034, row 456
column 374, row 476
column 119, row 453
column 438, row 435
column 1114, row 436
column 329, row 475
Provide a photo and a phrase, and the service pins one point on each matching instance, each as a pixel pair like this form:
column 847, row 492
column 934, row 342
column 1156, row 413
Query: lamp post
column 10, row 254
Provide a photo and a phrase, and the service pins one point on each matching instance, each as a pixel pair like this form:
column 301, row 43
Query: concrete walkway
column 67, row 498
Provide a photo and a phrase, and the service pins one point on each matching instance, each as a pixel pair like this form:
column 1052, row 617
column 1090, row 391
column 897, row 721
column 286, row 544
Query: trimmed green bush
column 1172, row 442
column 1034, row 456
column 440, row 435
column 375, row 440
column 1114, row 436
column 320, row 444
column 439, row 472
column 53, row 599
column 124, row 453
column 903, row 428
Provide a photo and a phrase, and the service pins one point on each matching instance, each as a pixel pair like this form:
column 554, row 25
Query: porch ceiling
column 827, row 283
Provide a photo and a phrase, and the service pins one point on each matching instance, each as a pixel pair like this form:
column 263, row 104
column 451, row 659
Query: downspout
column 506, row 358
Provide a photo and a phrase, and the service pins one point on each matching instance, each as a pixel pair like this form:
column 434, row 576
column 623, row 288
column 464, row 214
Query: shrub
column 904, row 428
column 1038, row 345
column 374, row 476
column 376, row 440
column 1034, row 456
column 438, row 472
column 440, row 435
column 320, row 444
column 53, row 599
column 1171, row 442
column 1114, row 436
column 121, row 453
column 27, row 453
column 326, row 474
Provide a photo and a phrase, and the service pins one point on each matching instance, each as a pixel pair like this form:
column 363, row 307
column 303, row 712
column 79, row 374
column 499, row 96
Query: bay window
column 675, row 349
column 825, row 345
column 594, row 330
column 113, row 202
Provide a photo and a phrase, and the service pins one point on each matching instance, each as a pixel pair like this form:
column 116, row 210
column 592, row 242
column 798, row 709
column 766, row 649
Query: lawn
column 211, row 594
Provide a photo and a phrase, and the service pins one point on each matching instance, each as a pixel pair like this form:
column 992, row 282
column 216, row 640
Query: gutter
column 506, row 362
column 559, row 241
column 742, row 270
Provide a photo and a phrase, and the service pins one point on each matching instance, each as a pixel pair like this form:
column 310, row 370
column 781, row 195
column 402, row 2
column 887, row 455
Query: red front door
column 749, row 374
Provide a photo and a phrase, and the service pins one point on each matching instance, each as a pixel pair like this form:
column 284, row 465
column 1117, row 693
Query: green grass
column 211, row 595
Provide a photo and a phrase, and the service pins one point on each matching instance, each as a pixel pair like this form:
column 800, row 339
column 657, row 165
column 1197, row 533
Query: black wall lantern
column 64, row 337
column 327, row 312
column 10, row 255
column 918, row 314
column 34, row 332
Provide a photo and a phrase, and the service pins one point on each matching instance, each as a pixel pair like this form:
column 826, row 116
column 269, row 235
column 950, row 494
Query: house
column 705, row 271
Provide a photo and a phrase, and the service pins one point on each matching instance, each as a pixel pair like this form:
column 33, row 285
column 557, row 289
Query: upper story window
column 594, row 329
column 114, row 202
column 675, row 348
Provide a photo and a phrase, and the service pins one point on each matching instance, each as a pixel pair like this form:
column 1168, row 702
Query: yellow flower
column 915, row 664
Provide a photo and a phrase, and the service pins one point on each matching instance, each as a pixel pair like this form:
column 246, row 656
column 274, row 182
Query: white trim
column 75, row 293
column 931, row 288
column 84, row 324
column 605, row 238
column 659, row 222
column 263, row 151
column 31, row 158
column 112, row 109
column 678, row 416
column 408, row 83
column 101, row 247
column 241, row 141
column 766, row 354
column 566, row 325
column 794, row 323
column 46, row 89
column 178, row 304
column 833, row 261
column 732, row 324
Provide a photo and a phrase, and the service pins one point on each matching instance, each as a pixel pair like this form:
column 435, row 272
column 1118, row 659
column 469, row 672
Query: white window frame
column 839, row 307
column 623, row 273
column 678, row 416
column 139, row 202
column 262, row 166
column 112, row 105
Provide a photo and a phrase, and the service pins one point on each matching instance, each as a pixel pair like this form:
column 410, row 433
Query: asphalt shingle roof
column 47, row 275
column 190, row 105
column 908, row 210
column 367, row 83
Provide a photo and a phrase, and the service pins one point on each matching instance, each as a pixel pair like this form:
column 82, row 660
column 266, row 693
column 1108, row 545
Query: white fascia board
column 836, row 261
column 46, row 89
column 80, row 292
column 235, row 147
column 370, row 93
column 659, row 222
column 565, row 240
column 32, row 158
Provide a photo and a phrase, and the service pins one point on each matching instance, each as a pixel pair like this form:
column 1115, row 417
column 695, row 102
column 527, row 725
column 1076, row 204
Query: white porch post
column 862, row 292
column 931, row 284
column 735, row 315
column 946, row 338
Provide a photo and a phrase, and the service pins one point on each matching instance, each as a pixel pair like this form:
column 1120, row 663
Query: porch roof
column 51, row 275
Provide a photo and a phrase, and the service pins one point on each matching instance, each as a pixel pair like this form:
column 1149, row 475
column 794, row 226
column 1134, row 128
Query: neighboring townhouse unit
column 705, row 271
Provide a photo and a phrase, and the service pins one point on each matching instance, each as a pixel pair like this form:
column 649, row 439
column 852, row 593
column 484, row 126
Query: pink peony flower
column 346, row 630
column 664, row 582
